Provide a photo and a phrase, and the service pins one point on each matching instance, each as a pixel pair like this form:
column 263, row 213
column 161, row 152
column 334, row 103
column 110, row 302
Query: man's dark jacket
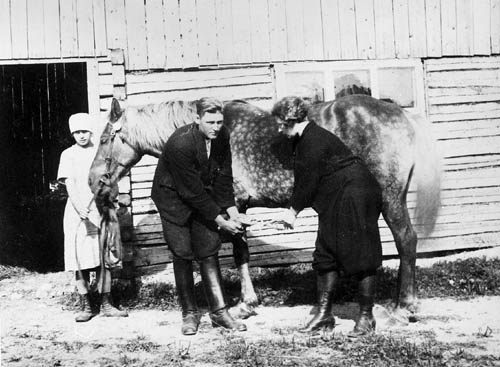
column 188, row 182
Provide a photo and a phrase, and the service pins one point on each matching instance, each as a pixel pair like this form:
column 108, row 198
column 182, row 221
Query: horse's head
column 114, row 158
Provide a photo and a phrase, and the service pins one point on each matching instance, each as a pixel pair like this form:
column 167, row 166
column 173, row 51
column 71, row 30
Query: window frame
column 372, row 66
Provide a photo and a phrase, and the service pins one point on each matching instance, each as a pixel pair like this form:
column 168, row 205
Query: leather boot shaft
column 365, row 323
column 326, row 284
column 212, row 283
column 184, row 283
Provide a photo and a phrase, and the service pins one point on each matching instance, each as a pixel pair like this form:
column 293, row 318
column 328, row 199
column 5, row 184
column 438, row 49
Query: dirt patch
column 36, row 330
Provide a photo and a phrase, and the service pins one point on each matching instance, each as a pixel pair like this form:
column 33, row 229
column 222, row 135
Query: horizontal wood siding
column 464, row 105
column 172, row 34
column 466, row 122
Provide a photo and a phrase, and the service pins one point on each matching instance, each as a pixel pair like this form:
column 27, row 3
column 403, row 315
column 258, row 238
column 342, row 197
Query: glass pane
column 308, row 84
column 351, row 82
column 396, row 84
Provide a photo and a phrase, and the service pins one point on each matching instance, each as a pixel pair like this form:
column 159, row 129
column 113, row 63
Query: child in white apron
column 82, row 220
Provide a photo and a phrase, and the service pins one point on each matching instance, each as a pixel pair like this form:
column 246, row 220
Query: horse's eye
column 104, row 139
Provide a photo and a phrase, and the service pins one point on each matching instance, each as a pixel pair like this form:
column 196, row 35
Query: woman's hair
column 208, row 104
column 292, row 109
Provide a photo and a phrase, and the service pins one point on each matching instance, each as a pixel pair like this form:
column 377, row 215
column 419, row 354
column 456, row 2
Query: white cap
column 80, row 121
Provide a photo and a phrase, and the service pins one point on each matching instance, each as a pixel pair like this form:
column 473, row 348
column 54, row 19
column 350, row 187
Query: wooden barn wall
column 463, row 97
column 173, row 34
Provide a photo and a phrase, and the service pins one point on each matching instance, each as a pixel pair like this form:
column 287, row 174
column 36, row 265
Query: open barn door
column 35, row 103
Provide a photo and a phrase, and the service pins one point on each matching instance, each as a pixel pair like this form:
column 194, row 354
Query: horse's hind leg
column 396, row 215
column 248, row 299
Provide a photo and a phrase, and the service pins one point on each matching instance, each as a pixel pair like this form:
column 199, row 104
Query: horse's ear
column 116, row 111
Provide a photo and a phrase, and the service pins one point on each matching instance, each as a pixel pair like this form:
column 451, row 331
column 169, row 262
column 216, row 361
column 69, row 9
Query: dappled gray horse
column 395, row 145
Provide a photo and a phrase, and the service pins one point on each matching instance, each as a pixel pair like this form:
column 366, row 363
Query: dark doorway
column 36, row 101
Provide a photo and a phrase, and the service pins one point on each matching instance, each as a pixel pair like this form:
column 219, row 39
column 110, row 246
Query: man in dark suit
column 193, row 191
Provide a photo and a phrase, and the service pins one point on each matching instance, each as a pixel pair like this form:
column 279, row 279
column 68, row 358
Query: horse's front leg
column 397, row 217
column 248, row 299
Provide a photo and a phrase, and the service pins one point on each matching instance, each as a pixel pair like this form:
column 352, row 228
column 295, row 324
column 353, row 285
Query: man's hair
column 208, row 104
column 291, row 109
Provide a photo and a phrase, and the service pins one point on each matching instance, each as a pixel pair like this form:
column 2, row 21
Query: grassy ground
column 296, row 285
column 290, row 286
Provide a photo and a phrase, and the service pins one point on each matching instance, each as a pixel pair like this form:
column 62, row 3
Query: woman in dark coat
column 347, row 198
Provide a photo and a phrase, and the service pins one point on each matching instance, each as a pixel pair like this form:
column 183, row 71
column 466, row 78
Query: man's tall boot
column 184, row 283
column 365, row 323
column 324, row 318
column 212, row 283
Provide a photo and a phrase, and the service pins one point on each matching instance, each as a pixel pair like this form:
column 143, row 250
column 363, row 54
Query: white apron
column 81, row 240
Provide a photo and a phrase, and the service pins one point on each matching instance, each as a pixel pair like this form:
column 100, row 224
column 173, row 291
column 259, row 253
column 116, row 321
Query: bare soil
column 36, row 330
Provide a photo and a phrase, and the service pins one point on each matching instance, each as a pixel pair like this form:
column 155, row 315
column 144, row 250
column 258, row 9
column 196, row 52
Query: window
column 400, row 81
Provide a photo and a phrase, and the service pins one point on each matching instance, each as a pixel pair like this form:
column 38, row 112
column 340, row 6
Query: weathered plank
column 295, row 30
column 155, row 35
column 100, row 39
column 225, row 31
column 418, row 33
column 347, row 21
column 449, row 27
column 242, row 31
column 277, row 30
column 365, row 28
column 116, row 29
column 331, row 30
column 51, row 28
column 36, row 39
column 384, row 29
column 189, row 33
column 495, row 26
column 313, row 32
column 69, row 31
column 465, row 24
column 5, row 32
column 135, row 15
column 433, row 27
column 401, row 29
column 259, row 26
column 85, row 28
column 173, row 40
column 481, row 27
column 207, row 32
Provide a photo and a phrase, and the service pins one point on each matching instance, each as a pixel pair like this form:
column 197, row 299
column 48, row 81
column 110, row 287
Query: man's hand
column 229, row 225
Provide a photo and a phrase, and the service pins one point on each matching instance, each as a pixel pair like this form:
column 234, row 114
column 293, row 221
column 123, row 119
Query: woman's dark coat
column 347, row 198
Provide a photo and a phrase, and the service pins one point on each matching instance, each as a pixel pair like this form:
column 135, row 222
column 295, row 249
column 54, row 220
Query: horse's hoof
column 242, row 311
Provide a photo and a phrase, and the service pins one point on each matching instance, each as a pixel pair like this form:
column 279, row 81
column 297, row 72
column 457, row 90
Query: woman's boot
column 365, row 323
column 212, row 283
column 324, row 318
column 85, row 313
column 184, row 282
column 108, row 310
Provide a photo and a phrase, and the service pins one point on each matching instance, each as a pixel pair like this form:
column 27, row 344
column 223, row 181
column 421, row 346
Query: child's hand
column 82, row 211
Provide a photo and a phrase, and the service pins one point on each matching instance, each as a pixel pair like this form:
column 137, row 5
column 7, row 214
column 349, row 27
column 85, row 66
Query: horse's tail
column 427, row 173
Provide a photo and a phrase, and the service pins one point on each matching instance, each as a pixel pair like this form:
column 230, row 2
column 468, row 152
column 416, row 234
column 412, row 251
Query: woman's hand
column 286, row 218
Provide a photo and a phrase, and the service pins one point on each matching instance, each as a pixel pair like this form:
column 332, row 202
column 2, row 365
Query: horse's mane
column 148, row 127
